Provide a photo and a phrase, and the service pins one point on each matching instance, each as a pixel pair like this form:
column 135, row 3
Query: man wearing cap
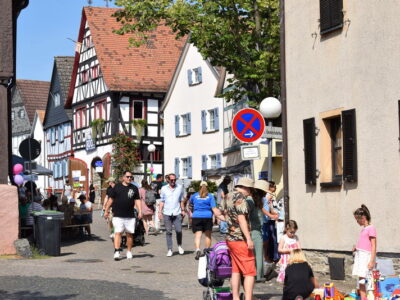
column 239, row 239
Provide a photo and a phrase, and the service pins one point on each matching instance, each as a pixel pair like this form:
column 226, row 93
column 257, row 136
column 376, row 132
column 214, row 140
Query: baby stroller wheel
column 207, row 295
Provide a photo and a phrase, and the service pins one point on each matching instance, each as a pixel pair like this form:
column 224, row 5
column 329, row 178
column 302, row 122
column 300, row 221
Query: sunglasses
column 129, row 176
column 172, row 180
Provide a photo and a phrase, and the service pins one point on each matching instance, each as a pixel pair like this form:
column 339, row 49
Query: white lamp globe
column 151, row 148
column 270, row 108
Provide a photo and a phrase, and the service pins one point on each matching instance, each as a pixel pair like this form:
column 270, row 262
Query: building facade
column 113, row 86
column 192, row 115
column 343, row 89
column 57, row 124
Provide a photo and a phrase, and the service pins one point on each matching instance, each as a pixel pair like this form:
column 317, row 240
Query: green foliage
column 139, row 124
column 97, row 128
column 240, row 35
column 195, row 184
column 124, row 155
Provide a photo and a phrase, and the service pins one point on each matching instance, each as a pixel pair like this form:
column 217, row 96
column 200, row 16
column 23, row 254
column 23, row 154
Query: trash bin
column 47, row 226
column 336, row 268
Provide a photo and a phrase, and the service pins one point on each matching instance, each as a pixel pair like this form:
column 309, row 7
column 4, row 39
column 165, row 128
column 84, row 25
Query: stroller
column 214, row 267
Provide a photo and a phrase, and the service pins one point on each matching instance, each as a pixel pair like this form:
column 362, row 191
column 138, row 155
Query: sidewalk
column 86, row 270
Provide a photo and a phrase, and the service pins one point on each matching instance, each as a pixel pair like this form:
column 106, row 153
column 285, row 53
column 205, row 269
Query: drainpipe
column 284, row 109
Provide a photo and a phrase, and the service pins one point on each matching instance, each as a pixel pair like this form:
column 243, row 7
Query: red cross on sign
column 248, row 125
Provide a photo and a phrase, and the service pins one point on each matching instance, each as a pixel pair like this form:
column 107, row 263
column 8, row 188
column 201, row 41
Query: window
column 331, row 15
column 84, row 76
column 100, row 111
column 213, row 161
column 21, row 113
column 80, row 118
column 183, row 124
column 210, row 120
column 137, row 109
column 56, row 99
column 61, row 133
column 184, row 167
column 12, row 115
column 336, row 142
column 87, row 42
column 338, row 146
column 194, row 76
column 94, row 72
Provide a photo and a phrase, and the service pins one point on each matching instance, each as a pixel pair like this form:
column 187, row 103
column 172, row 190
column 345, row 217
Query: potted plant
column 139, row 125
column 97, row 128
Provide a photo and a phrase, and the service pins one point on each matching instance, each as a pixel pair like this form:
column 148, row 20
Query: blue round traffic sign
column 248, row 125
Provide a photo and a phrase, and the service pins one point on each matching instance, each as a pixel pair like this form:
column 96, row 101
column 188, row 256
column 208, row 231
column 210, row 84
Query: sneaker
column 129, row 255
column 117, row 255
column 180, row 250
column 169, row 253
column 198, row 253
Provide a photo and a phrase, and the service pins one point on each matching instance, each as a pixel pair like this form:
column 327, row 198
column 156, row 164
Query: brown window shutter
column 309, row 151
column 331, row 15
column 349, row 145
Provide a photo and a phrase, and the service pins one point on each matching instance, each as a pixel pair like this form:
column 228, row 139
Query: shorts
column 243, row 260
column 124, row 224
column 361, row 261
column 202, row 224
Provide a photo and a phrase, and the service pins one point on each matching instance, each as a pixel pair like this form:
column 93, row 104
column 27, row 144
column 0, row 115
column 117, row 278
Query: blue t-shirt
column 202, row 207
column 266, row 207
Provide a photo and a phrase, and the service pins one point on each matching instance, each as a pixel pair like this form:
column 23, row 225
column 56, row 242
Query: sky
column 43, row 29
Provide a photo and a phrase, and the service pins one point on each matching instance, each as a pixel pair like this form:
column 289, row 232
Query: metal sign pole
column 269, row 154
column 30, row 169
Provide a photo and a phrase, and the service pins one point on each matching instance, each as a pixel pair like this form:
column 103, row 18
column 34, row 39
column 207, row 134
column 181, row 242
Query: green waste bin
column 47, row 228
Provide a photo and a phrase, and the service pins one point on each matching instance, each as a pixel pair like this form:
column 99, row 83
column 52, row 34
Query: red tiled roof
column 34, row 95
column 148, row 68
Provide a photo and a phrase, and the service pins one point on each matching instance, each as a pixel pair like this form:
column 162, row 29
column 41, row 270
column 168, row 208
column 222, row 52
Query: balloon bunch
column 17, row 170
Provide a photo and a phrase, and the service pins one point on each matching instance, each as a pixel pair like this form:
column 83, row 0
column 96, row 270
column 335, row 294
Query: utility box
column 336, row 268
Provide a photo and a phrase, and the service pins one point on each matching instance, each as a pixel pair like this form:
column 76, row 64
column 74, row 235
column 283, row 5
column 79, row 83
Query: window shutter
column 204, row 162
column 189, row 73
column 189, row 123
column 216, row 119
column 177, row 167
column 309, row 151
column 203, row 121
column 349, row 145
column 189, row 161
column 200, row 75
column 219, row 160
column 331, row 15
column 176, row 125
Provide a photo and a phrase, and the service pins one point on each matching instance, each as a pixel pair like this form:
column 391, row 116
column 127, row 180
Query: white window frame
column 211, row 120
column 184, row 123
column 185, row 167
column 213, row 161
column 21, row 113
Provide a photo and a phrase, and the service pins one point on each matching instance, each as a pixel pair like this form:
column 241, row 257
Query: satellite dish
column 30, row 148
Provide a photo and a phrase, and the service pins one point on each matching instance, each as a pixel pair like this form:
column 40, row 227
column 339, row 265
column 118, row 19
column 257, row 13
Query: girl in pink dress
column 288, row 242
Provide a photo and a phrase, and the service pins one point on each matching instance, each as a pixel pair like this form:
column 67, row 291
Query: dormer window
column 21, row 113
column 56, row 99
column 195, row 76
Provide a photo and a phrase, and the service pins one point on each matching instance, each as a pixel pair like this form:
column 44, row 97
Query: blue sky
column 43, row 29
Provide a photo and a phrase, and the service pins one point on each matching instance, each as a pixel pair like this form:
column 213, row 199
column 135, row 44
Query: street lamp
column 151, row 148
column 270, row 108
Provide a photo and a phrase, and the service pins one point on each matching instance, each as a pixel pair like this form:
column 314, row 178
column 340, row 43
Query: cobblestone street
column 86, row 270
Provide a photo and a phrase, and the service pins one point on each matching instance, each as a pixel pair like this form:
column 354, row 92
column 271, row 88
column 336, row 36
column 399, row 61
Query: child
column 288, row 242
column 299, row 277
column 365, row 250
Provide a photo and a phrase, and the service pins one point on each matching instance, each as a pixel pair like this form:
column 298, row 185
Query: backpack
column 150, row 197
column 220, row 261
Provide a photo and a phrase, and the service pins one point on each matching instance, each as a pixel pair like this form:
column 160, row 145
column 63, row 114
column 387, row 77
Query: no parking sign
column 248, row 125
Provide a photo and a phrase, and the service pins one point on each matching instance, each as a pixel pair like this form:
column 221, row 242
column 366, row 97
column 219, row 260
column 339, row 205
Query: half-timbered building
column 57, row 124
column 113, row 84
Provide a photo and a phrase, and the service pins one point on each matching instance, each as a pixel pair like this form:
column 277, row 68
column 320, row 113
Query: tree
column 125, row 155
column 240, row 35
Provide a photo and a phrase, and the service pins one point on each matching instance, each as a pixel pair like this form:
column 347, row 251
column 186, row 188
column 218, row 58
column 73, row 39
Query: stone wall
column 319, row 261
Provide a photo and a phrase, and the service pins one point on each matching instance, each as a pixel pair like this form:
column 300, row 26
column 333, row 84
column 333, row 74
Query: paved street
column 86, row 270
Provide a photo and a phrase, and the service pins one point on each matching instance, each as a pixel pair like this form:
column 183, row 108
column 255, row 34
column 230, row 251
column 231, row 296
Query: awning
column 240, row 169
column 40, row 170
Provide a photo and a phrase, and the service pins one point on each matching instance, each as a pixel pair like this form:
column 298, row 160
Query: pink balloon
column 18, row 179
column 18, row 168
column 151, row 170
